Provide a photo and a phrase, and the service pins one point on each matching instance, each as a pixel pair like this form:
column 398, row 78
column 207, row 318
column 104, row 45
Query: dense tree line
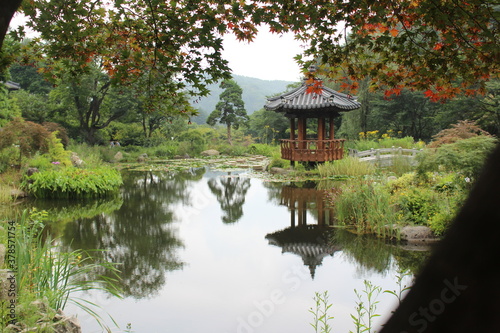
column 93, row 111
column 121, row 70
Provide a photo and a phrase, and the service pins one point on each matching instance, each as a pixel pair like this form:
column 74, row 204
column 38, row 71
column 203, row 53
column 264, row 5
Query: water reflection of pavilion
column 309, row 241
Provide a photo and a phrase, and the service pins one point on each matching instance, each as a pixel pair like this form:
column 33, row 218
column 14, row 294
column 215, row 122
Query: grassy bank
column 45, row 277
column 382, row 200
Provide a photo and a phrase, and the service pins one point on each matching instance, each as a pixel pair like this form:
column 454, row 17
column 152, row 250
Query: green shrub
column 61, row 132
column 28, row 137
column 278, row 162
column 432, row 200
column 440, row 222
column 191, row 142
column 73, row 183
column 41, row 162
column 465, row 157
column 126, row 134
column 448, row 183
column 402, row 182
column 167, row 150
column 264, row 149
column 9, row 157
column 56, row 151
column 418, row 205
column 232, row 150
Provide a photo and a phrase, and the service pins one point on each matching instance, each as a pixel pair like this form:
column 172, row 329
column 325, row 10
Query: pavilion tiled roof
column 309, row 242
column 300, row 99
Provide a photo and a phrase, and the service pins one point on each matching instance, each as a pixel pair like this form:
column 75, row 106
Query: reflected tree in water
column 230, row 192
column 62, row 211
column 376, row 254
column 139, row 235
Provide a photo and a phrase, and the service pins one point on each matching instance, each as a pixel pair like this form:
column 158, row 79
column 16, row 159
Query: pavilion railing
column 312, row 150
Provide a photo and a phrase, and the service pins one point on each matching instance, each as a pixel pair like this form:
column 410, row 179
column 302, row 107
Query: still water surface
column 208, row 251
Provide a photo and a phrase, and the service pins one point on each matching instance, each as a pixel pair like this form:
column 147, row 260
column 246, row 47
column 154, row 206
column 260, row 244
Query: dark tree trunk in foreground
column 7, row 10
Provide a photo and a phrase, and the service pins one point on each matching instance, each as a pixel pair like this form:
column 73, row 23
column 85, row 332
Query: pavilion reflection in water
column 312, row 242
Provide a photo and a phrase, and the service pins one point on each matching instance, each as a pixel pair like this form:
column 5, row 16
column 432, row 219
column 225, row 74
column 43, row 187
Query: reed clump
column 47, row 278
column 348, row 166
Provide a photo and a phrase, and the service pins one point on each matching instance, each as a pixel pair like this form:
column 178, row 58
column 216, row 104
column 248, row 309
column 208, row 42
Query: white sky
column 268, row 57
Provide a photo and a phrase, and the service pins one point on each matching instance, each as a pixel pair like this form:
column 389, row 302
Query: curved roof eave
column 300, row 99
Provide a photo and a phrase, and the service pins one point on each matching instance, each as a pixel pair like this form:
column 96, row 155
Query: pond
column 212, row 251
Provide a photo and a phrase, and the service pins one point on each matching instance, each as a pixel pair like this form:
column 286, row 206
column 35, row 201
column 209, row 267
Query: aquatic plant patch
column 73, row 183
column 365, row 206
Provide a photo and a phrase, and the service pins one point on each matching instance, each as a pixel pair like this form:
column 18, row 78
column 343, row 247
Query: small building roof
column 12, row 85
column 300, row 99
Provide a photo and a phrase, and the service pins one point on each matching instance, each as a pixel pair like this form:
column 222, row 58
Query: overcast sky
column 268, row 57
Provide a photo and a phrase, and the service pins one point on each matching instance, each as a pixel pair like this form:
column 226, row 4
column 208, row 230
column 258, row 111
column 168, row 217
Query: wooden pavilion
column 299, row 105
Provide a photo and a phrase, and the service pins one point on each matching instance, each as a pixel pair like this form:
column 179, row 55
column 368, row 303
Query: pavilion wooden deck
column 312, row 150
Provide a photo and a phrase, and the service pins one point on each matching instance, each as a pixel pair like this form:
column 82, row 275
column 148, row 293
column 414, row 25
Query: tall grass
column 365, row 206
column 401, row 165
column 348, row 166
column 93, row 156
column 5, row 194
column 44, row 273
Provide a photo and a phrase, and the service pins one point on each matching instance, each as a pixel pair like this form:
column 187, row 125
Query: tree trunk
column 229, row 139
column 7, row 10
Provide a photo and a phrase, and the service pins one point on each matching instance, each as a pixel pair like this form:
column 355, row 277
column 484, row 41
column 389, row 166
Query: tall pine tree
column 230, row 110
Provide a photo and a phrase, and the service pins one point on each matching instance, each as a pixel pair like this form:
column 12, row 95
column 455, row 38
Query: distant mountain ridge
column 255, row 93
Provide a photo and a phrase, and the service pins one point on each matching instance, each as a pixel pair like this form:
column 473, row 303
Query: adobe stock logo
column 426, row 315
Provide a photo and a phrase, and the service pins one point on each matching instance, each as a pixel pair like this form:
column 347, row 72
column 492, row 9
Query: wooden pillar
column 302, row 124
column 321, row 134
column 304, row 213
column 332, row 129
column 300, row 214
column 292, row 217
column 321, row 211
column 292, row 128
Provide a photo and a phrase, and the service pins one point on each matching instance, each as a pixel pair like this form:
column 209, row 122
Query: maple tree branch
column 457, row 29
column 397, row 11
column 155, row 32
column 473, row 17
